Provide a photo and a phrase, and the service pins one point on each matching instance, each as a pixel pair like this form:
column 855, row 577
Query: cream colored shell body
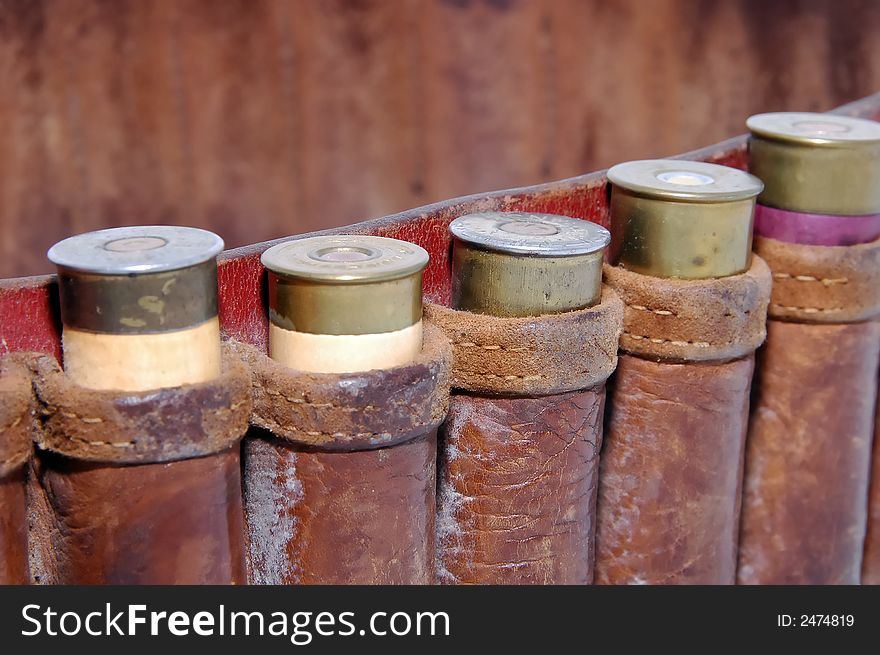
column 143, row 362
column 344, row 353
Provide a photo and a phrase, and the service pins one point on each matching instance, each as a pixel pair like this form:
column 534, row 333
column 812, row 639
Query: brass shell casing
column 816, row 163
column 137, row 280
column 524, row 264
column 682, row 219
column 345, row 284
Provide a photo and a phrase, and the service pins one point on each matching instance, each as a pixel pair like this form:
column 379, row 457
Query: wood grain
column 261, row 118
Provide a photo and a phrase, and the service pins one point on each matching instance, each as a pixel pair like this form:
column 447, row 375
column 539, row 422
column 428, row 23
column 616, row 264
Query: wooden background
column 261, row 118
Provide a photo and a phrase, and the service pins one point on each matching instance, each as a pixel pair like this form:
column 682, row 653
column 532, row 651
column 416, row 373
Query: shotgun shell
column 816, row 163
column 137, row 280
column 139, row 306
column 524, row 264
column 325, row 291
column 683, row 219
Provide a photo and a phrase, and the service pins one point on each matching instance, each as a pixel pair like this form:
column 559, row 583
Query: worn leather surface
column 809, row 451
column 357, row 517
column 169, row 523
column 671, row 468
column 808, row 454
column 16, row 413
column 670, row 474
column 871, row 560
column 126, row 427
column 823, row 284
column 541, row 355
column 138, row 488
column 693, row 320
column 13, row 529
column 518, row 488
column 499, row 522
column 351, row 411
column 344, row 491
column 16, row 400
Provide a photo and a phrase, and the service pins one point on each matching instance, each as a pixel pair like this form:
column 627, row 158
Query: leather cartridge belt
column 16, row 396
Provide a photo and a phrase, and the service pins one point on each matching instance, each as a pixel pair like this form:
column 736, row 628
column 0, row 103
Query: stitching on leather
column 659, row 312
column 11, row 425
column 121, row 444
column 275, row 425
column 809, row 278
column 493, row 376
column 808, row 310
column 296, row 401
column 300, row 401
column 471, row 344
column 94, row 420
column 84, row 419
column 674, row 342
column 366, row 408
column 114, row 444
column 232, row 407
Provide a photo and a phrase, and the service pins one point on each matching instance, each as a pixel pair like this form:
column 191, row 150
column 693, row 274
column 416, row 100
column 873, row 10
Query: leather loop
column 117, row 427
column 808, row 453
column 823, row 284
column 532, row 356
column 671, row 472
column 693, row 320
column 351, row 411
column 16, row 413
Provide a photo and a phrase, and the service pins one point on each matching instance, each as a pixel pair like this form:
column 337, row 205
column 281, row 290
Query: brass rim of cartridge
column 137, row 280
column 816, row 163
column 682, row 219
column 345, row 284
column 523, row 264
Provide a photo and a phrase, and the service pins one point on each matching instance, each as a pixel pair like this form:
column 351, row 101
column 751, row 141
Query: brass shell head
column 345, row 284
column 816, row 163
column 525, row 264
column 683, row 219
column 137, row 280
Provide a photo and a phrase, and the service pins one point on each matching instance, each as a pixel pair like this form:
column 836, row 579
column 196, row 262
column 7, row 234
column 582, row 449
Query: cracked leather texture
column 808, row 455
column 169, row 523
column 336, row 517
column 670, row 474
column 518, row 488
